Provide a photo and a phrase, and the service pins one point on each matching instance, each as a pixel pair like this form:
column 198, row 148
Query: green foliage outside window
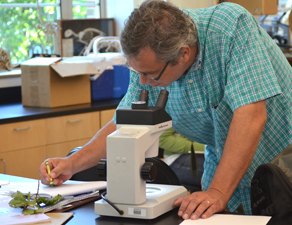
column 19, row 36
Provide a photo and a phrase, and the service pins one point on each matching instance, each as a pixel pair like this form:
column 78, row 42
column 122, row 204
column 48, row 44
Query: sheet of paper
column 9, row 216
column 69, row 188
column 226, row 219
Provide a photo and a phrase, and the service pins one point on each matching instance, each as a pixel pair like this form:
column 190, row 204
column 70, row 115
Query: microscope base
column 159, row 200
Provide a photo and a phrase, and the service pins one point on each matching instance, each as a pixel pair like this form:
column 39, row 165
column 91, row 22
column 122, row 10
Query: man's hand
column 61, row 170
column 202, row 203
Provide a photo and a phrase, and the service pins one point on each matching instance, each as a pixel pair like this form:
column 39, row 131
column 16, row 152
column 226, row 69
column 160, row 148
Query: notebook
column 67, row 189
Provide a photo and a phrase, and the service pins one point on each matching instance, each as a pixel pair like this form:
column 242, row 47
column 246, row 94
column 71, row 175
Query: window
column 29, row 29
column 85, row 9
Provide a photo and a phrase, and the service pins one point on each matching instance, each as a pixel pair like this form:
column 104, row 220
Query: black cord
column 121, row 212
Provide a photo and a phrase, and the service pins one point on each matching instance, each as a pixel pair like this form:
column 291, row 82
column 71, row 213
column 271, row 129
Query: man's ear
column 185, row 53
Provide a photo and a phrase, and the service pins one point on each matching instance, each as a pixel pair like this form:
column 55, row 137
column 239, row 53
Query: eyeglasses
column 152, row 78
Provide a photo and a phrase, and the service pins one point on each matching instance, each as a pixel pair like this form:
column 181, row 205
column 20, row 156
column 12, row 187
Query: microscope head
column 142, row 114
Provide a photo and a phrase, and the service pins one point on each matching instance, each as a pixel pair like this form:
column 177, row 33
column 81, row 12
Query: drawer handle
column 23, row 128
column 4, row 162
column 75, row 121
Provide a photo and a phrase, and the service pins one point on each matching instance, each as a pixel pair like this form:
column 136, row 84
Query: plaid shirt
column 238, row 64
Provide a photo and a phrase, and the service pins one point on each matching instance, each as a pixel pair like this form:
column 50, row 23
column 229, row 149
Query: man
column 229, row 88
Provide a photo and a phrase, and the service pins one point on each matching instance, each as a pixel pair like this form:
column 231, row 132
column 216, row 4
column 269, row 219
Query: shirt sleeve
column 250, row 74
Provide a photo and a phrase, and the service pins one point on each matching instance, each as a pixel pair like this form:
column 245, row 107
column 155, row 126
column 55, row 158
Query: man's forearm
column 93, row 151
column 243, row 138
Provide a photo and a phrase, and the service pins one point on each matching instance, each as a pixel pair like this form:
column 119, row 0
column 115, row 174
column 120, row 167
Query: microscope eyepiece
column 139, row 105
column 162, row 99
column 143, row 96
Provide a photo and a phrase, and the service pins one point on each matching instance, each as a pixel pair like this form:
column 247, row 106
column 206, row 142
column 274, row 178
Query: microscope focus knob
column 101, row 169
column 148, row 171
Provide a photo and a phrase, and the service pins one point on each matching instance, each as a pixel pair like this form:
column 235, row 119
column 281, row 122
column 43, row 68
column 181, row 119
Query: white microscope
column 137, row 138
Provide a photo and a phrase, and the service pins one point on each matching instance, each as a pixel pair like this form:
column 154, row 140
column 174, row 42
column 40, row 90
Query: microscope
column 266, row 27
column 282, row 41
column 136, row 138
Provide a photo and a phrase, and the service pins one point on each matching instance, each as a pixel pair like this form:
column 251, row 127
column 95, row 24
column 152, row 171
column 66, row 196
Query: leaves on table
column 47, row 201
column 31, row 205
column 18, row 201
column 29, row 211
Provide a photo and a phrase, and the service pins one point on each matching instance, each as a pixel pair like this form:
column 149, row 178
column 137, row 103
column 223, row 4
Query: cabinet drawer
column 72, row 127
column 106, row 116
column 23, row 163
column 22, row 135
column 62, row 149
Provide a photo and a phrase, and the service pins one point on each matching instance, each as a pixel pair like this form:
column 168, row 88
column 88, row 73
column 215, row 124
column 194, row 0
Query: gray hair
column 161, row 26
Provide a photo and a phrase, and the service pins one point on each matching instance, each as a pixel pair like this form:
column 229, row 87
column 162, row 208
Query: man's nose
column 144, row 80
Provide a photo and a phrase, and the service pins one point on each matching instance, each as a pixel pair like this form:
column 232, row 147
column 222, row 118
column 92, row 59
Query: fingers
column 198, row 204
column 45, row 178
column 189, row 206
column 203, row 209
column 57, row 167
column 179, row 201
column 59, row 171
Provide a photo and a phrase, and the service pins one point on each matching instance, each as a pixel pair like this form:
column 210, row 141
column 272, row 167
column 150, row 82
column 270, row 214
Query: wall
column 121, row 9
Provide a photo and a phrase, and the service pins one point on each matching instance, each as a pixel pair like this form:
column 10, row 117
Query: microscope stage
column 159, row 200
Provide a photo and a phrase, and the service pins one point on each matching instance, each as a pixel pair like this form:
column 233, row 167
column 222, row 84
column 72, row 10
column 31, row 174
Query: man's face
column 148, row 68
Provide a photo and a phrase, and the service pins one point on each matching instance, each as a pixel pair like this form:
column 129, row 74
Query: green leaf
column 51, row 201
column 18, row 200
column 32, row 211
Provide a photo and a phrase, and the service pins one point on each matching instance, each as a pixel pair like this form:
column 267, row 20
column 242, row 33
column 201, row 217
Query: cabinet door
column 72, row 127
column 23, row 163
column 106, row 116
column 62, row 149
column 22, row 135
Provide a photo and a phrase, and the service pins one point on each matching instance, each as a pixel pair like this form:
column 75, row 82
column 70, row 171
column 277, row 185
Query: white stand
column 160, row 199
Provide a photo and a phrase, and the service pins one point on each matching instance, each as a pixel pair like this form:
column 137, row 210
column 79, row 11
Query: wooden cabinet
column 106, row 116
column 255, row 7
column 22, row 135
column 62, row 149
column 68, row 132
column 72, row 127
column 25, row 145
column 22, row 148
column 24, row 162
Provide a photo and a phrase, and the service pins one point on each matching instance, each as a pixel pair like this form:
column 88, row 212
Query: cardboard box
column 46, row 82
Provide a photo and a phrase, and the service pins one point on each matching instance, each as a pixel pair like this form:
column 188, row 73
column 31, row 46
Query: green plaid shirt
column 238, row 64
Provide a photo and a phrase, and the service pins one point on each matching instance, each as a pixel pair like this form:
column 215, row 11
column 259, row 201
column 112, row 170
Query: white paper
column 226, row 219
column 69, row 188
column 9, row 216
